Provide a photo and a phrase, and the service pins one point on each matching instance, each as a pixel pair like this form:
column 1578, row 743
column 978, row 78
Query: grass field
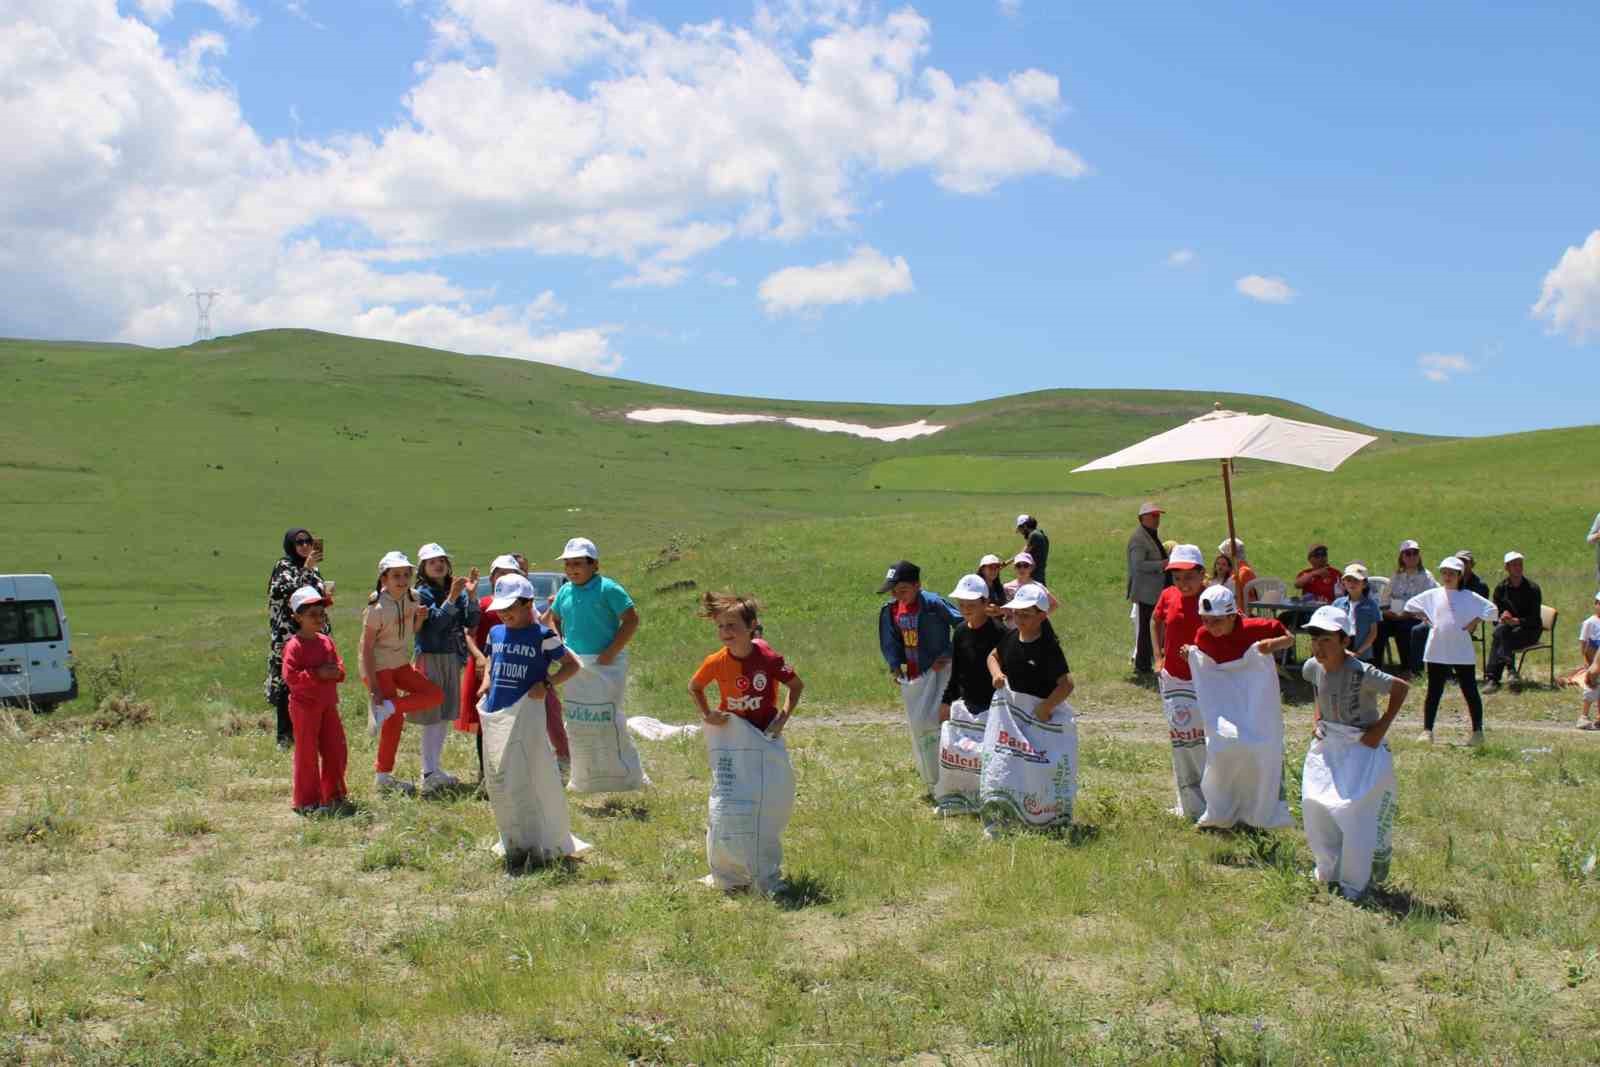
column 166, row 907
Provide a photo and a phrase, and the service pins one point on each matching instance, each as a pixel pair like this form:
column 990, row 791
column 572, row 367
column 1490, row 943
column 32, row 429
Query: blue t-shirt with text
column 519, row 660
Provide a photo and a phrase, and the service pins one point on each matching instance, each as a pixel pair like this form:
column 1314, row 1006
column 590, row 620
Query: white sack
column 519, row 772
column 1030, row 768
column 922, row 696
column 655, row 730
column 1347, row 793
column 604, row 759
column 960, row 760
column 1243, row 781
column 752, row 796
column 1186, row 730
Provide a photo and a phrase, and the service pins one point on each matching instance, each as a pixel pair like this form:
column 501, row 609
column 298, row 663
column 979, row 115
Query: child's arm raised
column 628, row 627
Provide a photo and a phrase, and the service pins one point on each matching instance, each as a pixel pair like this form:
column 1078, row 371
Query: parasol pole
column 1227, row 495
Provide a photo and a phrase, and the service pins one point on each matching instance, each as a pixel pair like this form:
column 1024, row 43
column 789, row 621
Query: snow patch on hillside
column 920, row 428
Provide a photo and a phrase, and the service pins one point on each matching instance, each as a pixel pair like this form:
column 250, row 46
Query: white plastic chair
column 1264, row 590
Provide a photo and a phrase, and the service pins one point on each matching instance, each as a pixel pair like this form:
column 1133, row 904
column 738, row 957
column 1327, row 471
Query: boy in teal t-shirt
column 594, row 615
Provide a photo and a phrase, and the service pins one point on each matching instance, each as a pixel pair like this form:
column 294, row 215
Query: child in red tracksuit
column 312, row 670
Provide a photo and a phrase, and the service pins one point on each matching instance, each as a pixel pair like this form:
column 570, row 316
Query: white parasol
column 1229, row 435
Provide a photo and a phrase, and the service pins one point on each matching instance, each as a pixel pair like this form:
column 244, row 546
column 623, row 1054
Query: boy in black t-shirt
column 1029, row 659
column 974, row 639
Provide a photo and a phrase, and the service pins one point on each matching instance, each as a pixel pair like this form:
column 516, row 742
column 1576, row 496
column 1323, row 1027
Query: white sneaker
column 388, row 783
column 377, row 713
column 1426, row 737
column 437, row 780
column 1476, row 740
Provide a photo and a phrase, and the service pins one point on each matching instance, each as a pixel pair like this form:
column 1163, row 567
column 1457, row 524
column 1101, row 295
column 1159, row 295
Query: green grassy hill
column 164, row 906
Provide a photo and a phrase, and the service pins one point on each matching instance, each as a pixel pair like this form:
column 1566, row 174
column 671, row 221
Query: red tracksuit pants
column 420, row 695
column 320, row 754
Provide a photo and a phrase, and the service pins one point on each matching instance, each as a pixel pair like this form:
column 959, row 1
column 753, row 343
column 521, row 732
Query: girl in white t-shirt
column 1452, row 613
column 1588, row 643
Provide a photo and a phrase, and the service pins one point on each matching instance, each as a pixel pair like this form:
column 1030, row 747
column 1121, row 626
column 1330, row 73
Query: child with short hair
column 1348, row 786
column 442, row 651
column 1588, row 643
column 388, row 635
column 752, row 782
column 1173, row 625
column 914, row 638
column 597, row 619
column 312, row 671
column 525, row 659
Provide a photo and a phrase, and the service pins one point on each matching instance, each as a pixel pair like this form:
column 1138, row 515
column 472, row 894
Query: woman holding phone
column 302, row 556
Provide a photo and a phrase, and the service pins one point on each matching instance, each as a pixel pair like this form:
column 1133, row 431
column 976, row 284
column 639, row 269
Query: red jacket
column 301, row 658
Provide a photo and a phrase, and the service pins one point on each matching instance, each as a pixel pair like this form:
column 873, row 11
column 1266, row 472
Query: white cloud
column 866, row 275
column 1011, row 8
column 1181, row 257
column 652, row 276
column 1570, row 299
column 1266, row 290
column 1441, row 367
column 551, row 126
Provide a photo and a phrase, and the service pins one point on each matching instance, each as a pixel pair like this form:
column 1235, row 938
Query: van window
column 28, row 620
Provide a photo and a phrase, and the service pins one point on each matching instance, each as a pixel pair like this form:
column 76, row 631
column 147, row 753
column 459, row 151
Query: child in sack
column 525, row 659
column 452, row 611
column 312, row 671
column 1348, row 831
column 914, row 638
column 388, row 636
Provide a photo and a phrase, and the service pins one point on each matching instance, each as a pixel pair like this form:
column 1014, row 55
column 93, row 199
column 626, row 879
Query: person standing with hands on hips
column 1147, row 577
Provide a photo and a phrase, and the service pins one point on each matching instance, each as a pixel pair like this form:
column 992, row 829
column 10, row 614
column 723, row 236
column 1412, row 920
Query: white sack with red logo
column 1186, row 729
column 960, row 760
column 1030, row 766
column 604, row 759
column 1243, row 781
column 752, row 796
column 922, row 696
column 1347, row 797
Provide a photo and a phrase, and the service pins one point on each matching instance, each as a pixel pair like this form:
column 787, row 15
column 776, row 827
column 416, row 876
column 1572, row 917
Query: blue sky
column 1403, row 183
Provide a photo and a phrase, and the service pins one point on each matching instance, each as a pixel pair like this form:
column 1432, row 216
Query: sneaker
column 1581, row 724
column 1491, row 686
column 1426, row 737
column 378, row 713
column 434, row 781
column 388, row 783
column 1476, row 740
column 343, row 808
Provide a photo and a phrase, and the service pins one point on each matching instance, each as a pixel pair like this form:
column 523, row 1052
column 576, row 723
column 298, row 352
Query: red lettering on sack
column 1016, row 744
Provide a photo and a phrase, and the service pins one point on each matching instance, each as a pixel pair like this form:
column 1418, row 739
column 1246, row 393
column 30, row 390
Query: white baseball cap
column 971, row 587
column 1597, row 596
column 1237, row 546
column 1513, row 555
column 1150, row 507
column 580, row 548
column 431, row 550
column 1217, row 600
column 392, row 561
column 1359, row 570
column 1330, row 620
column 510, row 589
column 507, row 562
column 1184, row 556
column 1031, row 595
column 1022, row 557
column 303, row 596
column 1023, row 520
column 1452, row 563
column 1408, row 544
column 989, row 560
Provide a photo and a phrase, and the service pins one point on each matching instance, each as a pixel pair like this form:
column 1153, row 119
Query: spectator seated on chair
column 1519, row 602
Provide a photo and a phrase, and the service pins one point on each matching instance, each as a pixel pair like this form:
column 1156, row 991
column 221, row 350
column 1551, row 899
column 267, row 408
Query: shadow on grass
column 450, row 793
column 1403, row 904
column 1248, row 847
column 1147, row 680
column 557, row 872
column 805, row 890
column 617, row 809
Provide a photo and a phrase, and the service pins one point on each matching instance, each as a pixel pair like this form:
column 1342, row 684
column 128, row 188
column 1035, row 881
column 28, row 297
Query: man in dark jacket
column 1469, row 577
column 1521, row 619
column 1035, row 544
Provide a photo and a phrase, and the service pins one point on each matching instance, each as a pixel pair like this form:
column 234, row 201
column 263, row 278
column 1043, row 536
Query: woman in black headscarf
column 298, row 567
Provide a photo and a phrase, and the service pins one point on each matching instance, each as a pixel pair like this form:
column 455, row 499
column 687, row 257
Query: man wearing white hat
column 1520, row 604
column 1147, row 577
column 1035, row 544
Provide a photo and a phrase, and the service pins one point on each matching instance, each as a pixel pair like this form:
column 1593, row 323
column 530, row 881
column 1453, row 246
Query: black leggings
column 280, row 704
column 1437, row 673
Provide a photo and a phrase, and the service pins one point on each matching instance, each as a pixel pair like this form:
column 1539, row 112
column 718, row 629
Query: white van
column 35, row 644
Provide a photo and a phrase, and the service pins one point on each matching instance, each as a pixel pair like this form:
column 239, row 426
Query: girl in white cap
column 1452, row 613
column 452, row 611
column 1409, row 579
column 313, row 670
column 388, row 636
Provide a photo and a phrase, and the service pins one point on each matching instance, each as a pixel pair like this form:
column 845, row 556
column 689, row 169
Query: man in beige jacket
column 1147, row 576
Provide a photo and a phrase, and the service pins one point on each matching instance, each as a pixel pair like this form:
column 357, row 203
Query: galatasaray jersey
column 748, row 687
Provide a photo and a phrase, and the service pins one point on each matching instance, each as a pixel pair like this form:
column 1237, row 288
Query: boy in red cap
column 1174, row 622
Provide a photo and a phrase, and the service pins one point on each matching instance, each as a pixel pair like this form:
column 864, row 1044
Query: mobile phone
column 316, row 544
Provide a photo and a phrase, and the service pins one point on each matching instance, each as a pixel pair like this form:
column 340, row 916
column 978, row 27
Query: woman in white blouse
column 1452, row 613
column 1410, row 578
